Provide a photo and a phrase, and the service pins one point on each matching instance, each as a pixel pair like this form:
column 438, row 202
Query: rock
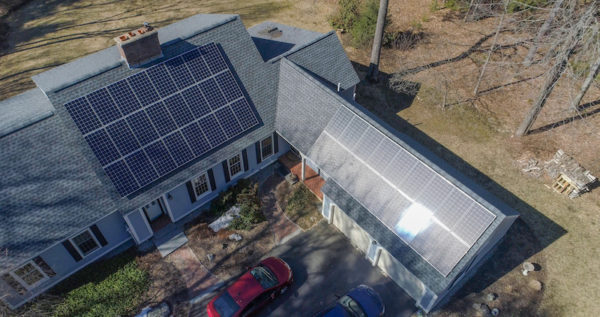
column 291, row 178
column 495, row 311
column 491, row 297
column 535, row 285
column 235, row 237
column 210, row 257
column 528, row 266
column 482, row 308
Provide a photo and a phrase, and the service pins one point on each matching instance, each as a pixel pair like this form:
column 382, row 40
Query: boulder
column 210, row 257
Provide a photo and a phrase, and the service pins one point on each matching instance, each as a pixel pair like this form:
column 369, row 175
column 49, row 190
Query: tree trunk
column 373, row 73
column 587, row 83
column 543, row 30
column 557, row 69
column 487, row 60
column 551, row 80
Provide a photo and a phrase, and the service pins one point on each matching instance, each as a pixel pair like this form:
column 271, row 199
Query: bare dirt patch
column 230, row 257
column 166, row 283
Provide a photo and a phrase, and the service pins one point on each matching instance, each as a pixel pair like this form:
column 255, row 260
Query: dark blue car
column 361, row 301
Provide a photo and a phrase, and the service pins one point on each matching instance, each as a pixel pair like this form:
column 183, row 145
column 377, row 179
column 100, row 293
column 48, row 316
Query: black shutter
column 257, row 147
column 275, row 143
column 99, row 235
column 245, row 159
column 190, row 189
column 226, row 171
column 211, row 179
column 69, row 246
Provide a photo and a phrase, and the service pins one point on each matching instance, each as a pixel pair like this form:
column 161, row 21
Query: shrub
column 346, row 15
column 228, row 198
column 363, row 29
column 109, row 288
column 246, row 196
column 300, row 198
column 250, row 214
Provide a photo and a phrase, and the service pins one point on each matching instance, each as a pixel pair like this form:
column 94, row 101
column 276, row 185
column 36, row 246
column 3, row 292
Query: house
column 110, row 147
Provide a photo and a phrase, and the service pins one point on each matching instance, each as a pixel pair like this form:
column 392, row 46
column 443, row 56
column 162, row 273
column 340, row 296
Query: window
column 201, row 185
column 86, row 243
column 29, row 275
column 14, row 284
column 266, row 147
column 235, row 165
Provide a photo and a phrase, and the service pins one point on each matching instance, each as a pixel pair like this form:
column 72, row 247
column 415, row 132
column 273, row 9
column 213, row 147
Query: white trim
column 167, row 207
column 26, row 285
column 83, row 256
column 232, row 176
column 261, row 147
column 50, row 285
column 132, row 228
column 205, row 173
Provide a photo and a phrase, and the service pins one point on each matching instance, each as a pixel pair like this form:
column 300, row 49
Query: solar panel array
column 145, row 126
column 389, row 181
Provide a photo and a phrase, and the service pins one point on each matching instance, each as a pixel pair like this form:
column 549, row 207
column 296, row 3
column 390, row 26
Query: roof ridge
column 301, row 47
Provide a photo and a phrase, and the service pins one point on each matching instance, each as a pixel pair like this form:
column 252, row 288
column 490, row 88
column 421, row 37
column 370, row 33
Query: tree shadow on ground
column 583, row 112
column 547, row 231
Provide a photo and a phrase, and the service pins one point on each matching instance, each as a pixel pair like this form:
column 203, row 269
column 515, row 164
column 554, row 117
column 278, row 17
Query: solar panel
column 228, row 122
column 145, row 126
column 104, row 106
column 433, row 216
column 121, row 177
column 179, row 72
column 244, row 114
column 212, row 93
column 83, row 115
column 141, row 167
column 179, row 110
column 161, row 80
column 162, row 120
column 194, row 99
column 122, row 137
column 120, row 91
column 146, row 93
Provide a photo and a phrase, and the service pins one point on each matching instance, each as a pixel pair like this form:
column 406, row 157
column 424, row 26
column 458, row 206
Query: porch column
column 303, row 168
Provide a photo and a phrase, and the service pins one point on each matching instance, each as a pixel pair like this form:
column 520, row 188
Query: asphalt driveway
column 325, row 264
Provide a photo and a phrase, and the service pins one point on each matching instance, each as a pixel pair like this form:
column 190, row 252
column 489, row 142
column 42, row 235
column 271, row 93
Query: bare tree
column 373, row 73
column 574, row 35
column 593, row 72
column 542, row 31
column 487, row 60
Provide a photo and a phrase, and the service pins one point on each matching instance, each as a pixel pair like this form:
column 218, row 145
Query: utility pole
column 373, row 73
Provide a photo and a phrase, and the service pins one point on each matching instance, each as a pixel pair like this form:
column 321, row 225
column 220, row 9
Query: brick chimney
column 140, row 46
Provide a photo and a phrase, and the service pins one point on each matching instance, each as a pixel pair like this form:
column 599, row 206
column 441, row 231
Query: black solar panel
column 145, row 126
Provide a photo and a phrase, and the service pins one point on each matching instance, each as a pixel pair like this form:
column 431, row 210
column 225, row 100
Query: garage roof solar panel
column 147, row 125
column 433, row 216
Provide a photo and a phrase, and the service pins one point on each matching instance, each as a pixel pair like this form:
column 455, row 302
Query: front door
column 154, row 210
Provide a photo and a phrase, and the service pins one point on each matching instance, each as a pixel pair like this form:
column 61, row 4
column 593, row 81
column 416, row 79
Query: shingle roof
column 23, row 110
column 275, row 40
column 55, row 155
column 48, row 190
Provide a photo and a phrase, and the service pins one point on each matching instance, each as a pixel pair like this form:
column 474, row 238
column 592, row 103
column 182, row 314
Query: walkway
column 197, row 278
column 313, row 180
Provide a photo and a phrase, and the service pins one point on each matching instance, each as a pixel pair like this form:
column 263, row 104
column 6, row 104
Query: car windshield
column 352, row 307
column 225, row 305
column 264, row 276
